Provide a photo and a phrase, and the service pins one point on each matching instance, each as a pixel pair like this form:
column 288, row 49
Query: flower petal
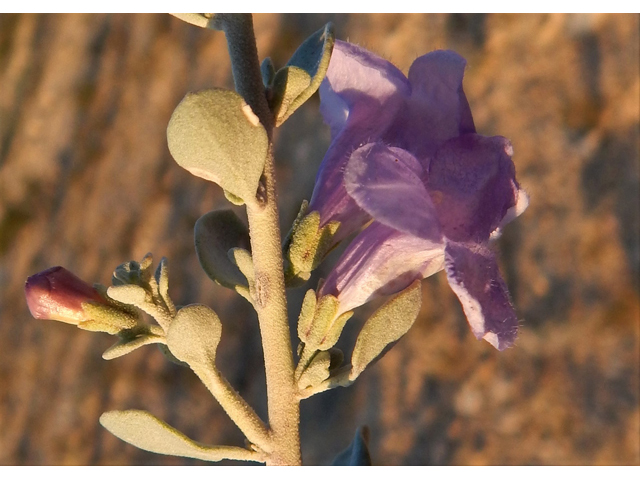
column 386, row 182
column 381, row 261
column 437, row 109
column 359, row 84
column 359, row 99
column 522, row 202
column 57, row 294
column 474, row 277
column 472, row 186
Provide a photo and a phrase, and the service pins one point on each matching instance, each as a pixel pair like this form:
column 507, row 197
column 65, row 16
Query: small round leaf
column 215, row 135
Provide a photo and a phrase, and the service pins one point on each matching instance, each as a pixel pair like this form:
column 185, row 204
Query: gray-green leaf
column 194, row 335
column 128, row 345
column 143, row 430
column 387, row 325
column 300, row 78
column 216, row 233
column 215, row 135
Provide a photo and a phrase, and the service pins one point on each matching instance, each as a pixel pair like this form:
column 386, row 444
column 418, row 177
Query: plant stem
column 269, row 293
column 238, row 410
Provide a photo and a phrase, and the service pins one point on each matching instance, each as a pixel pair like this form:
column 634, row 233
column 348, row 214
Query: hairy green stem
column 220, row 452
column 238, row 410
column 270, row 299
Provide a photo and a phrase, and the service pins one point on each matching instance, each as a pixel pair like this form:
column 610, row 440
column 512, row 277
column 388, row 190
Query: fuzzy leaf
column 194, row 335
column 106, row 318
column 143, row 430
column 386, row 326
column 128, row 345
column 242, row 259
column 300, row 78
column 215, row 234
column 129, row 294
column 215, row 135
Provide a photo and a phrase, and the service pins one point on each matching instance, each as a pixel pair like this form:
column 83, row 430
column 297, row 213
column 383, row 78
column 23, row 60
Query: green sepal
column 194, row 335
column 320, row 367
column 313, row 329
column 268, row 72
column 215, row 234
column 385, row 327
column 300, row 78
column 319, row 326
column 316, row 372
column 145, row 431
column 215, row 135
column 334, row 331
column 307, row 247
column 357, row 453
column 106, row 318
column 307, row 314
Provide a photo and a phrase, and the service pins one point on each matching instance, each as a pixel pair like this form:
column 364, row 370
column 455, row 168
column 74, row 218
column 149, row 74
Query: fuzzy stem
column 270, row 300
column 217, row 453
column 238, row 410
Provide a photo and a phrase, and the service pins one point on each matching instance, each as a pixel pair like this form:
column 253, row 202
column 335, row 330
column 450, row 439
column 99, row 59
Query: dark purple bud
column 57, row 294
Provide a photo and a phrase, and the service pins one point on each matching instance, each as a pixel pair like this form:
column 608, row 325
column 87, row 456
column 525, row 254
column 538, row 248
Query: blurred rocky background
column 86, row 181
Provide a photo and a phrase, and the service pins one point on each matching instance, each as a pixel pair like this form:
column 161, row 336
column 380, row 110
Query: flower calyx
column 306, row 245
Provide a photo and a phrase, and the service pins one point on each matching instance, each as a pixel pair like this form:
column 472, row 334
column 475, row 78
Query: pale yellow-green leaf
column 215, row 135
column 242, row 259
column 125, row 346
column 387, row 325
column 129, row 294
column 300, row 78
column 145, row 431
column 194, row 335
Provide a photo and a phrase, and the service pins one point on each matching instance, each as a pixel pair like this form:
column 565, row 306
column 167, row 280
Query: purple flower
column 405, row 153
column 57, row 294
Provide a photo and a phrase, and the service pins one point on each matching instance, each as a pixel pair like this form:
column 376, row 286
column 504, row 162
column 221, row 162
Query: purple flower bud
column 57, row 294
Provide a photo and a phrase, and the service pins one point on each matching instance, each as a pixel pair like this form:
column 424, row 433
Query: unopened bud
column 57, row 294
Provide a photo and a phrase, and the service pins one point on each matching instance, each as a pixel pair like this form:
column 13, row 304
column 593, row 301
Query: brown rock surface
column 86, row 181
